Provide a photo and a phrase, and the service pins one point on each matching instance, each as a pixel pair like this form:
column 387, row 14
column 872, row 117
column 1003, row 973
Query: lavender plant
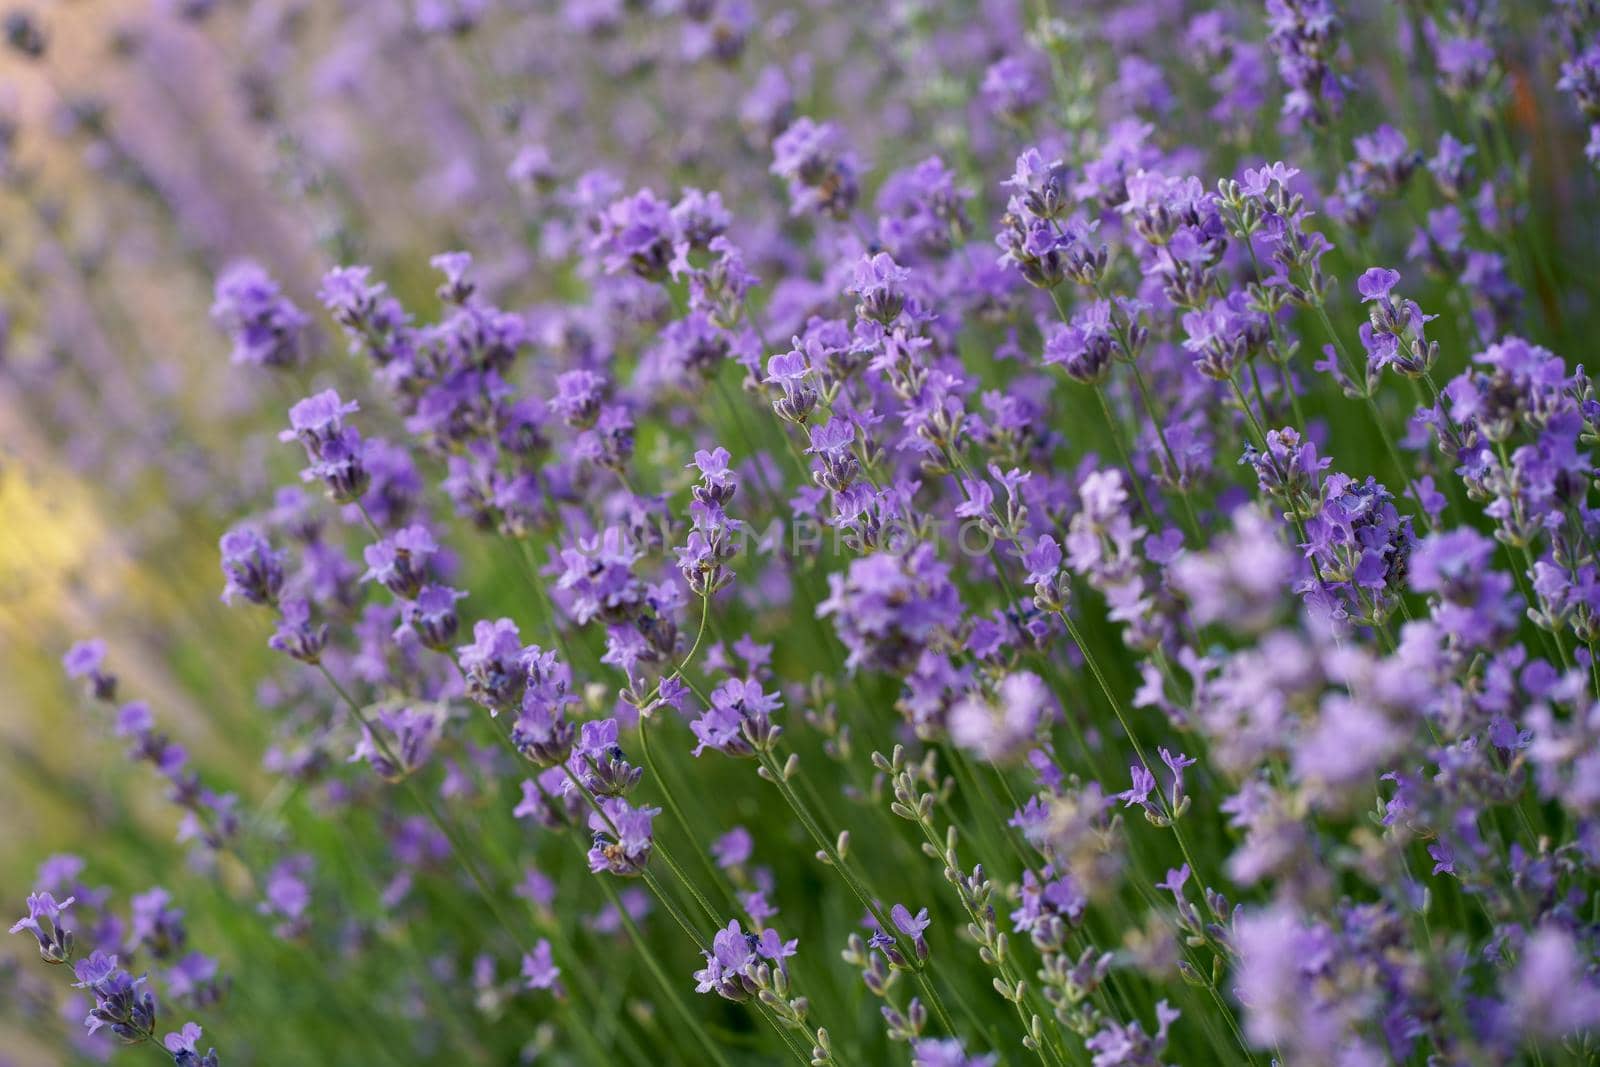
column 710, row 532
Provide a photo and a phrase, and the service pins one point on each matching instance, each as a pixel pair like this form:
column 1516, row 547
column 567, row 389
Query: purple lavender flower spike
column 43, row 921
column 821, row 172
column 267, row 330
column 86, row 660
column 252, row 568
column 622, row 837
column 184, row 1048
column 432, row 617
column 741, row 964
column 120, row 1004
column 539, row 970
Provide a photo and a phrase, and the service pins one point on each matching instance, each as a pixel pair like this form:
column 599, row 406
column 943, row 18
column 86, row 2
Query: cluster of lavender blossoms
column 958, row 535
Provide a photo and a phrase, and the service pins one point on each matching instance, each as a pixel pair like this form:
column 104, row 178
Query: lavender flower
column 43, row 921
column 432, row 617
column 889, row 609
column 879, row 286
column 738, row 720
column 183, row 1046
column 638, row 233
column 539, row 970
column 622, row 837
column 740, row 964
column 399, row 561
column 336, row 452
column 120, row 1004
column 1304, row 37
column 821, row 173
column 267, row 330
column 86, row 660
column 599, row 762
column 398, row 741
column 252, row 568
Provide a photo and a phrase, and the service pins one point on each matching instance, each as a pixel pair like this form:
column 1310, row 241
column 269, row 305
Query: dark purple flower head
column 912, row 926
column 734, row 848
column 43, row 921
column 1225, row 335
column 717, row 477
column 432, row 616
column 1303, row 35
column 1376, row 282
column 455, row 266
column 740, row 963
column 599, row 762
column 120, row 1005
column 362, row 307
column 713, row 534
column 155, row 925
column 729, row 969
column 597, row 574
column 1473, row 603
column 888, row 609
column 493, row 665
column 836, row 466
column 907, row 926
column 738, row 721
column 1042, row 188
column 542, row 731
column 298, row 635
column 539, row 970
column 1127, row 1043
column 399, row 561
column 543, row 734
column 879, row 286
column 184, row 1047
column 638, row 233
column 398, row 741
column 700, row 218
column 719, row 290
column 578, row 397
column 1043, row 561
column 336, row 453
column 622, row 837
column 1083, row 348
column 267, row 330
column 24, row 34
column 251, row 567
column 317, row 420
column 821, row 172
column 86, row 660
column 1289, row 471
column 922, row 212
column 1394, row 333
column 1013, row 87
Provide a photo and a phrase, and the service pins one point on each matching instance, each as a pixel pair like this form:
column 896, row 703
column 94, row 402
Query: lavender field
column 705, row 533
